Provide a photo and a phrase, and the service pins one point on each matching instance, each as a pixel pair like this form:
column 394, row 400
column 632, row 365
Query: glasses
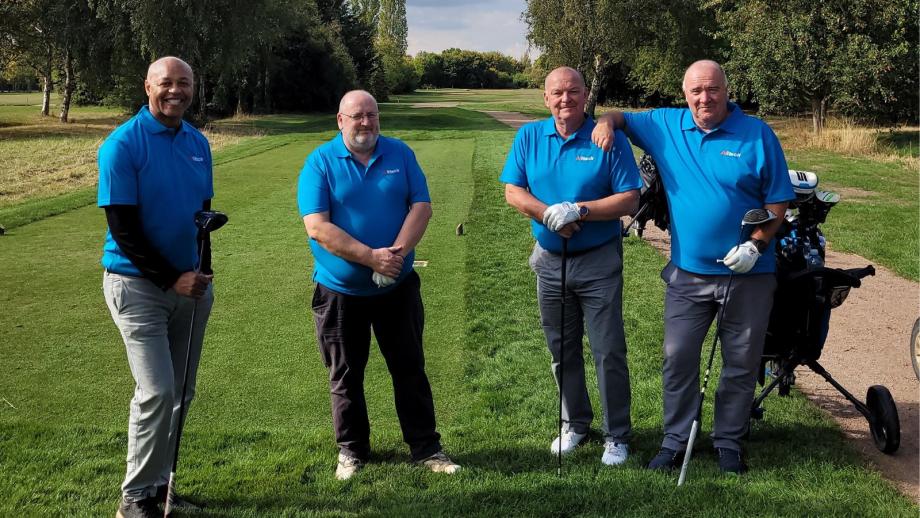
column 371, row 116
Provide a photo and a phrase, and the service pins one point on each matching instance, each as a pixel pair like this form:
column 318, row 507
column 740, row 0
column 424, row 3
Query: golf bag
column 807, row 291
column 653, row 204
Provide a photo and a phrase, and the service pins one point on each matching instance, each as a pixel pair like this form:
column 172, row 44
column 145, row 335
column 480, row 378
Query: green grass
column 259, row 436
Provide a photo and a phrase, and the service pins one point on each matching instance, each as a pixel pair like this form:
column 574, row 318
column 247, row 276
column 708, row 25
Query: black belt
column 570, row 254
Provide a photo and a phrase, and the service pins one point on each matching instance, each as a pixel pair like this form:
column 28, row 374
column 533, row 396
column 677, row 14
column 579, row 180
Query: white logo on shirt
column 731, row 154
column 392, row 171
column 197, row 159
column 583, row 158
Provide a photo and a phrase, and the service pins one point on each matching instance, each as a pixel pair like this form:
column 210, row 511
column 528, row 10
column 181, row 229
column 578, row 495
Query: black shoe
column 666, row 460
column 178, row 501
column 730, row 461
column 146, row 508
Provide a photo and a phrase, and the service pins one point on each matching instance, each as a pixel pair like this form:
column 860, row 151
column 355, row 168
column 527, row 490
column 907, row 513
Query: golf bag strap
column 125, row 225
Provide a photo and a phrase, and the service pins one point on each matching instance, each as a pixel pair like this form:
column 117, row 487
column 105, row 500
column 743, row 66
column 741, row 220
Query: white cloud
column 482, row 25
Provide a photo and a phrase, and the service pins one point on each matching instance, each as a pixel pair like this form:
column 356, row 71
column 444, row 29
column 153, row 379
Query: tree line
column 858, row 57
column 248, row 55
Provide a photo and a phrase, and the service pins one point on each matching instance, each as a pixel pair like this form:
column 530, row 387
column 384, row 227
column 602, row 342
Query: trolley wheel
column 915, row 348
column 885, row 426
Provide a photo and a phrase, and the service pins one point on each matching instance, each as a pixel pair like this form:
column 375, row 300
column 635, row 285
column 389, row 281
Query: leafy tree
column 795, row 55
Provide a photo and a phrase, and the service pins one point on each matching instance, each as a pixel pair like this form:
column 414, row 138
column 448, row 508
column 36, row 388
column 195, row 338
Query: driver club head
column 210, row 220
column 757, row 217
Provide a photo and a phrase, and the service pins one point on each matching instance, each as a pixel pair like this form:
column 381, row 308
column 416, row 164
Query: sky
column 435, row 25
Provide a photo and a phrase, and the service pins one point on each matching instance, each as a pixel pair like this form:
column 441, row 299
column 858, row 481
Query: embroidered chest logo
column 391, row 171
column 584, row 158
column 730, row 153
column 197, row 159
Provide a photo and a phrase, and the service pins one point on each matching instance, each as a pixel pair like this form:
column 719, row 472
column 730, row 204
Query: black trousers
column 343, row 330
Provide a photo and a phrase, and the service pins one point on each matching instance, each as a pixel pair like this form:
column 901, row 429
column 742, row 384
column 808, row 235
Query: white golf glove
column 382, row 281
column 559, row 215
column 740, row 259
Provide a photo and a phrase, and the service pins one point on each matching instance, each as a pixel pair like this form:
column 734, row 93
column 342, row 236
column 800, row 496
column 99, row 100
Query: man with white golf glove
column 715, row 163
column 365, row 204
column 741, row 258
column 572, row 190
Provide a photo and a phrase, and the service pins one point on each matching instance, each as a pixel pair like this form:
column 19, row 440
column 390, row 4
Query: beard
column 363, row 142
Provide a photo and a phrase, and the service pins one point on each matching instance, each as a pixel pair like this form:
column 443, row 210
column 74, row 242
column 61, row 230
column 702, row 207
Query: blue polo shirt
column 167, row 174
column 711, row 180
column 556, row 169
column 369, row 203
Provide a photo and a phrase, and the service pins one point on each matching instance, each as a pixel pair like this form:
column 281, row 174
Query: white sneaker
column 347, row 467
column 570, row 440
column 440, row 463
column 615, row 453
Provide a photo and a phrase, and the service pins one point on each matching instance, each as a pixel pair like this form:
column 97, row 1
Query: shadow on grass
column 903, row 142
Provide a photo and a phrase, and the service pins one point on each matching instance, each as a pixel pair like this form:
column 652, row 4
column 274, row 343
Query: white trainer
column 347, row 466
column 440, row 463
column 615, row 453
column 570, row 440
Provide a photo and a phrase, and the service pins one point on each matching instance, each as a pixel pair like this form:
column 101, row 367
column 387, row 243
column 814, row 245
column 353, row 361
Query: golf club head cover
column 559, row 215
column 382, row 281
column 741, row 258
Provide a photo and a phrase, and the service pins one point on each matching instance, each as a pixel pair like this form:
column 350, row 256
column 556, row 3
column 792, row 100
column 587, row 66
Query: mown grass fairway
column 259, row 438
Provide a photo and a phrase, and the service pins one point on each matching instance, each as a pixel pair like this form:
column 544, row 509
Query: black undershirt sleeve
column 125, row 226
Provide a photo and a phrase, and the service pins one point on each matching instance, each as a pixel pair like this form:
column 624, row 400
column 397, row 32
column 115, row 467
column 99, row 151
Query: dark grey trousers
column 691, row 303
column 343, row 329
column 594, row 300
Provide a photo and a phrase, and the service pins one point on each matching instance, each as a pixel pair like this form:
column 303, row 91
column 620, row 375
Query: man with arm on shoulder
column 365, row 205
column 155, row 173
column 572, row 190
column 716, row 163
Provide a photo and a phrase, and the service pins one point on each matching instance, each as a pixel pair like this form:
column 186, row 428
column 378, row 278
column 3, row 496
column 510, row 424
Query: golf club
column 565, row 253
column 751, row 218
column 207, row 221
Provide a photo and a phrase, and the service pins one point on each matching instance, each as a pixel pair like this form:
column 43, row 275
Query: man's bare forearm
column 612, row 207
column 337, row 241
column 767, row 231
column 413, row 227
column 524, row 202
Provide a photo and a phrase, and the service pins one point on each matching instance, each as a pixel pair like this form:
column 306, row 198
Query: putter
column 751, row 218
column 565, row 253
column 207, row 221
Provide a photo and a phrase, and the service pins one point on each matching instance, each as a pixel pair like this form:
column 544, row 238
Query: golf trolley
column 806, row 293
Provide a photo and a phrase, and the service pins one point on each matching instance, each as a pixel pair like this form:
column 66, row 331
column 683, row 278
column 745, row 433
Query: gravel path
column 868, row 344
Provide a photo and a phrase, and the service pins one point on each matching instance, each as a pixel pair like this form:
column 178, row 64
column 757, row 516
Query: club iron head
column 210, row 220
column 757, row 217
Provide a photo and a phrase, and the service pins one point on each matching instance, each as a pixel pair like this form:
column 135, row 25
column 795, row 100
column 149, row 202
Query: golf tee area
column 259, row 439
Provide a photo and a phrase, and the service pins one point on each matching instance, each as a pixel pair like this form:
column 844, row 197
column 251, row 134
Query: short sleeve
column 117, row 175
column 207, row 149
column 418, row 186
column 515, row 170
column 624, row 175
column 640, row 127
column 776, row 187
column 313, row 187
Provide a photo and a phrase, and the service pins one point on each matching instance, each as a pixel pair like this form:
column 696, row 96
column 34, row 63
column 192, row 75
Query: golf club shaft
column 188, row 354
column 565, row 253
column 712, row 354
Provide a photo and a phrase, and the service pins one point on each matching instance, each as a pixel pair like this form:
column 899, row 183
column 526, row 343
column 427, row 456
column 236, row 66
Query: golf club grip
column 688, row 452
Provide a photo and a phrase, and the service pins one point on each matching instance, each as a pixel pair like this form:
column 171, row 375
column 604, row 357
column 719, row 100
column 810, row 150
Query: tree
column 795, row 55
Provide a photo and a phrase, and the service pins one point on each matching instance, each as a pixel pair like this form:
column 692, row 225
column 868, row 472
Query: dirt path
column 867, row 345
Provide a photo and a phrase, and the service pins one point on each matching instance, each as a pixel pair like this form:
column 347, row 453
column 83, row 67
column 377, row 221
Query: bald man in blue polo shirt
column 365, row 204
column 716, row 163
column 154, row 175
column 573, row 190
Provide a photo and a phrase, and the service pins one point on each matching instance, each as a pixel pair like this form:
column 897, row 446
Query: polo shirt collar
column 584, row 132
column 151, row 124
column 341, row 150
column 730, row 124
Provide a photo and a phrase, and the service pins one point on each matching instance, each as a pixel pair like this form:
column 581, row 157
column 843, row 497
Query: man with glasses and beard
column 365, row 204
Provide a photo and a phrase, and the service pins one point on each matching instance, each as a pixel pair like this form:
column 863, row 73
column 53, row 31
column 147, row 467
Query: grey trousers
column 154, row 325
column 691, row 303
column 594, row 300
